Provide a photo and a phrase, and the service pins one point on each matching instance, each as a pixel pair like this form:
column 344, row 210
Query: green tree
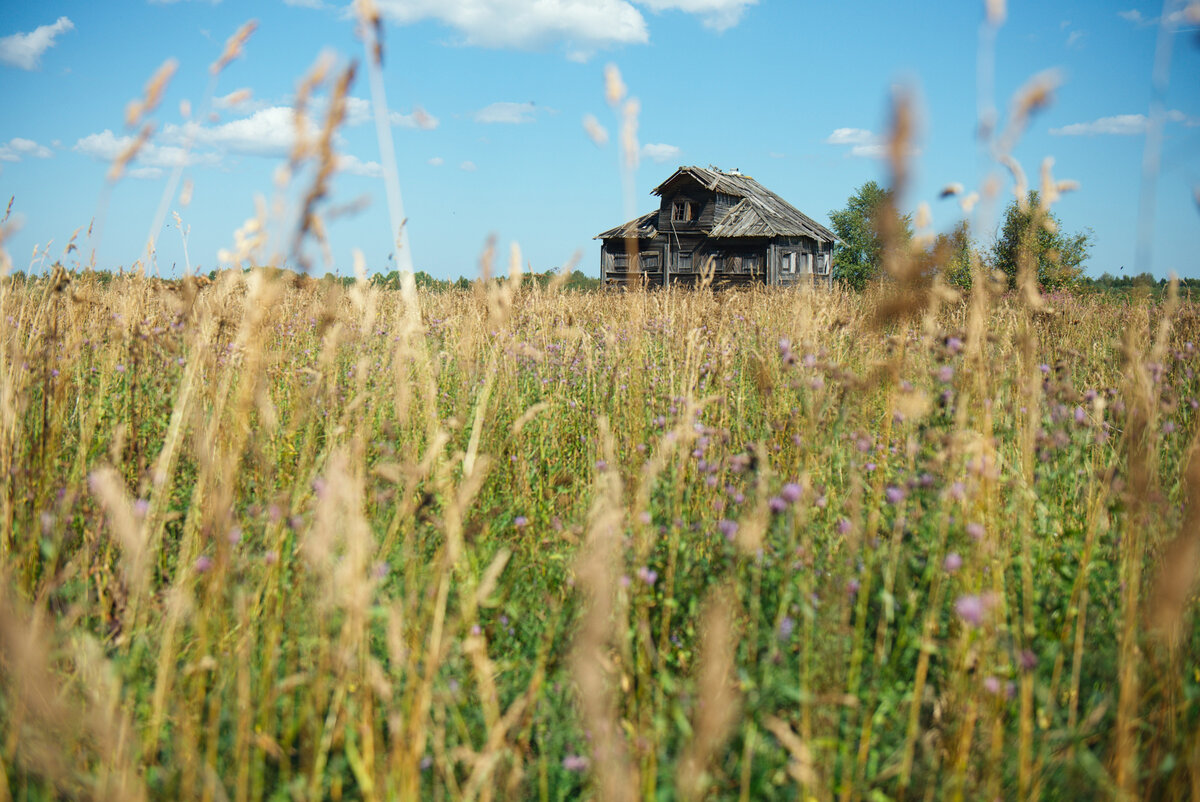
column 951, row 255
column 858, row 258
column 1036, row 235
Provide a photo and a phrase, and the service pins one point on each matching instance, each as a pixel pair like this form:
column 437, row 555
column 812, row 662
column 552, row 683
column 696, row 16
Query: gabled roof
column 759, row 213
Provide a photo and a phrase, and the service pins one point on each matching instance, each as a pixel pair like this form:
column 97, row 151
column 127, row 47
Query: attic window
column 683, row 211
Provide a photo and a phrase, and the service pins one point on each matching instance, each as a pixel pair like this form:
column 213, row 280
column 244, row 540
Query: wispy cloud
column 359, row 111
column 863, row 144
column 467, row 167
column 24, row 50
column 660, row 153
column 507, row 113
column 719, row 15
column 437, row 161
column 1185, row 18
column 1121, row 125
column 583, row 25
column 850, row 136
column 18, row 148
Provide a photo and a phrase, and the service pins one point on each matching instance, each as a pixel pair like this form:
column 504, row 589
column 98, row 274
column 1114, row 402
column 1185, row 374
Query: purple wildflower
column 728, row 528
column 202, row 564
column 970, row 609
column 894, row 495
column 1027, row 660
column 952, row 562
column 786, row 627
column 975, row 530
column 576, row 763
column 647, row 575
column 520, row 522
column 791, row 492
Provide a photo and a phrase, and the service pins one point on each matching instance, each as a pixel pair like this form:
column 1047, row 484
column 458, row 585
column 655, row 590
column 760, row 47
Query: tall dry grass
column 267, row 537
column 259, row 543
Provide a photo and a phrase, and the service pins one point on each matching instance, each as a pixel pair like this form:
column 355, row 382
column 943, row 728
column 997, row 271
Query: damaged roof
column 759, row 213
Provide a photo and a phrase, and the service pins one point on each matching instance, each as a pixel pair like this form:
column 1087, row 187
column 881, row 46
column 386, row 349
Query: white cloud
column 347, row 163
column 105, row 146
column 1175, row 21
column 1122, row 125
column 874, row 150
column 503, row 112
column 864, row 144
column 23, row 50
column 359, row 111
column 305, row 3
column 660, row 153
column 266, row 132
column 419, row 118
column 16, row 148
column 1074, row 37
column 467, row 166
column 719, row 15
column 850, row 136
column 437, row 161
column 584, row 25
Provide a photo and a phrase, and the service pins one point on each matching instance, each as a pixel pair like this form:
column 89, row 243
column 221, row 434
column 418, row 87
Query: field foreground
column 269, row 541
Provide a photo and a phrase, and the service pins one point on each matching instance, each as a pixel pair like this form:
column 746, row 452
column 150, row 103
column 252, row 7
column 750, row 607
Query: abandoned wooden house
column 723, row 221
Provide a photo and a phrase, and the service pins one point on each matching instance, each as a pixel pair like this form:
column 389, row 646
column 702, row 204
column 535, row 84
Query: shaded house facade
column 748, row 233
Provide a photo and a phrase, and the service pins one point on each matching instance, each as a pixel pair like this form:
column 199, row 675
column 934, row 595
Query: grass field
column 264, row 540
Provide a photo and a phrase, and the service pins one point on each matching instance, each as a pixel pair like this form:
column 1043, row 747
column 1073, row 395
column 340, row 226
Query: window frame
column 683, row 211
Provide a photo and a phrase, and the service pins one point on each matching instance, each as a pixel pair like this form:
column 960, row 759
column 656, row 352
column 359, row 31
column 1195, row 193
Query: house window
column 808, row 263
column 685, row 260
column 683, row 211
column 620, row 260
column 823, row 265
column 788, row 263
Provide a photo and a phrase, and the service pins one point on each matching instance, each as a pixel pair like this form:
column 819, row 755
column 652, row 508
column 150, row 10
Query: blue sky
column 488, row 100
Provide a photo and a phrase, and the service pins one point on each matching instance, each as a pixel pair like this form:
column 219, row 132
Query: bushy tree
column 951, row 255
column 1036, row 235
column 858, row 258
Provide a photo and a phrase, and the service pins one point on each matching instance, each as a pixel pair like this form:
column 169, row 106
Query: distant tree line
column 576, row 281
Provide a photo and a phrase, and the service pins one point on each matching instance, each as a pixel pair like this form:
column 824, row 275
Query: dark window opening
column 683, row 211
column 685, row 260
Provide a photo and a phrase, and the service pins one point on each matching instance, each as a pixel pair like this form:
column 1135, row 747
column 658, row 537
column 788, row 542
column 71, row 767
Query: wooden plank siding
column 750, row 234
